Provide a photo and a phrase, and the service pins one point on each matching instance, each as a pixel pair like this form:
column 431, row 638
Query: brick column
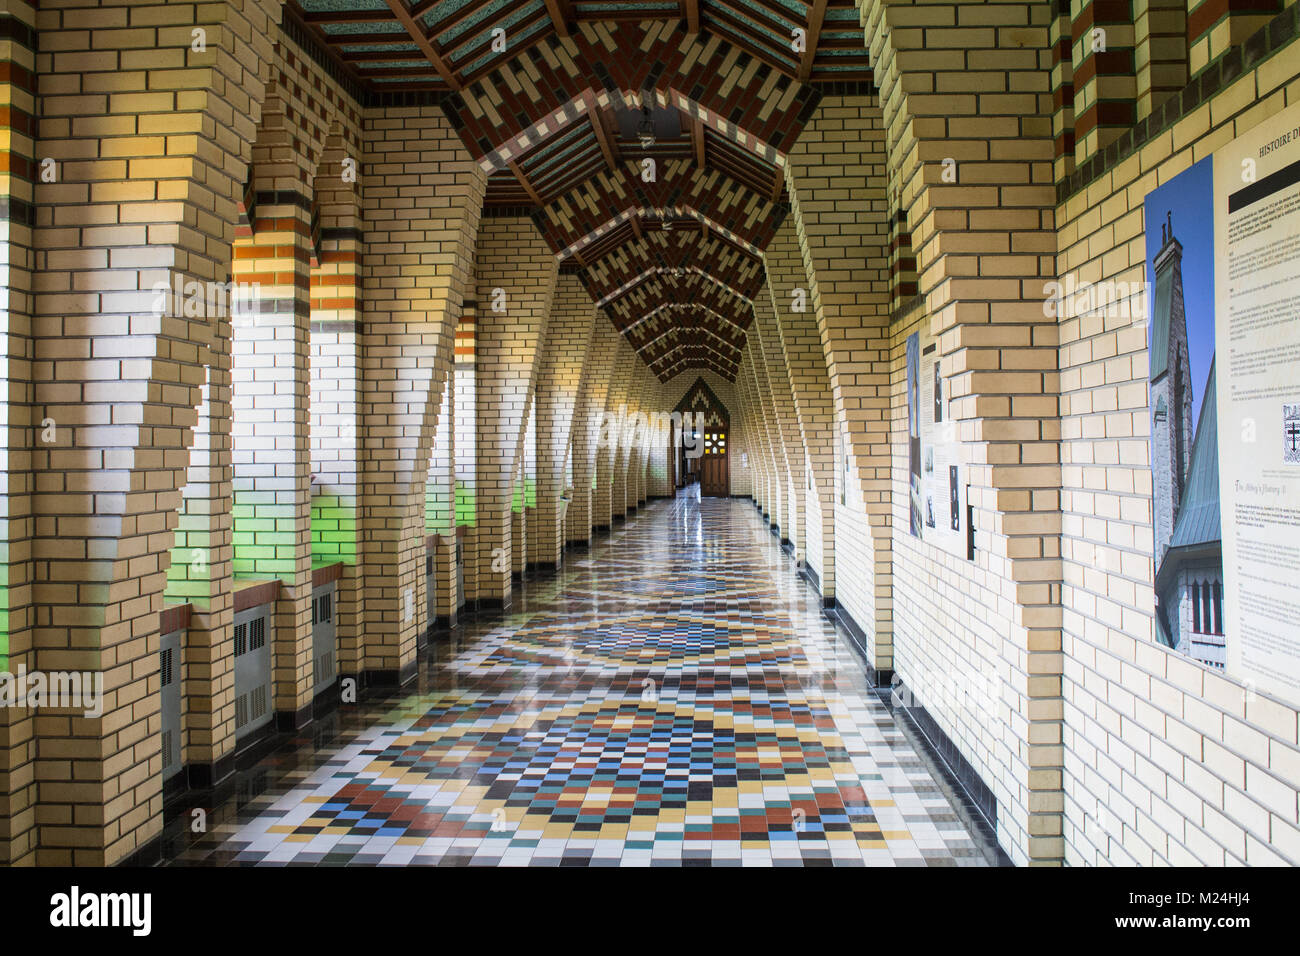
column 335, row 401
column 516, row 275
column 18, row 171
column 560, row 378
column 765, row 328
column 466, row 444
column 1060, row 39
column 1160, row 54
column 810, row 384
column 1105, row 80
column 609, row 426
column 423, row 194
column 985, row 244
column 586, row 429
column 1215, row 25
column 270, row 398
column 837, row 187
column 138, row 199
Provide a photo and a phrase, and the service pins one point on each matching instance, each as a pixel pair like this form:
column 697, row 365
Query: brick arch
column 136, row 464
column 985, row 246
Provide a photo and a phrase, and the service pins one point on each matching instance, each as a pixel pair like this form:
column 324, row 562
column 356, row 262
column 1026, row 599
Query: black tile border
column 1270, row 39
column 957, row 769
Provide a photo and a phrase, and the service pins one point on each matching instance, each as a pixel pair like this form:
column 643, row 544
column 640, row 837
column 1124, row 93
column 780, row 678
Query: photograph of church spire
column 1185, row 459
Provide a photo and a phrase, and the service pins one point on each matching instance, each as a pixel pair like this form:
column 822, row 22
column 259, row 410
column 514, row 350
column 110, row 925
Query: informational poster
column 937, row 507
column 1257, row 320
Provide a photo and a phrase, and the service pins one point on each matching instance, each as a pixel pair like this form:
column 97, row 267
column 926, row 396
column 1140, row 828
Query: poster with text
column 936, row 507
column 1257, row 321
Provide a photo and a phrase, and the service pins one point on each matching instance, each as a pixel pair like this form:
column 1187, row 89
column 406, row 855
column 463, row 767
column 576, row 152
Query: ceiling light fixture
column 645, row 130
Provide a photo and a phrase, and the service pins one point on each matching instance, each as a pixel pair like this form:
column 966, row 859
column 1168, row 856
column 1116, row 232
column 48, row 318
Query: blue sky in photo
column 1190, row 197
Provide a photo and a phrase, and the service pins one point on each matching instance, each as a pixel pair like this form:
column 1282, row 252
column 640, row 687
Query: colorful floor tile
column 674, row 697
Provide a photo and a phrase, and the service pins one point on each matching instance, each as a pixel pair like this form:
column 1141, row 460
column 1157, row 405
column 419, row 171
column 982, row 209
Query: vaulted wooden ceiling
column 548, row 94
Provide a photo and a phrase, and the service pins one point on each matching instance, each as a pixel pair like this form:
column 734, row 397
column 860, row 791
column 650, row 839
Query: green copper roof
column 1198, row 514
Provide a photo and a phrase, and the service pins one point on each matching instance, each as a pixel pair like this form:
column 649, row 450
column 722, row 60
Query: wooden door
column 715, row 477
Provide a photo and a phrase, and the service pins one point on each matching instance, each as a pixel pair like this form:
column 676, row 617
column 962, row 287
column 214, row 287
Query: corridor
column 673, row 697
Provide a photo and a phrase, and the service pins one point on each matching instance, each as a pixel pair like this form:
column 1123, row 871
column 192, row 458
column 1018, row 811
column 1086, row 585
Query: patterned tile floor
column 674, row 697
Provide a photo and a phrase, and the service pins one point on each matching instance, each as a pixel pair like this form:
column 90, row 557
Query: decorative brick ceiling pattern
column 541, row 116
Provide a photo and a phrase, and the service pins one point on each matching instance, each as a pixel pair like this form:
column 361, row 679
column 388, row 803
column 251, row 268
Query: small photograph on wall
column 914, row 432
column 1184, row 440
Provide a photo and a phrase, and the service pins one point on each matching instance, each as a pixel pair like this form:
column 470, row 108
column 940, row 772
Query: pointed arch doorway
column 704, row 452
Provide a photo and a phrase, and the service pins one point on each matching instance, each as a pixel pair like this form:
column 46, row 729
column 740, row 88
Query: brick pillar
column 985, row 246
column 586, row 429
column 119, row 369
column 440, row 505
column 422, row 198
column 609, row 427
column 1060, row 38
column 516, row 275
column 1160, row 54
column 560, row 379
column 18, row 788
column 779, row 471
column 335, row 403
column 466, row 447
column 769, row 336
column 270, row 403
column 1105, row 80
column 810, row 384
column 837, row 186
column 524, row 490
column 1215, row 25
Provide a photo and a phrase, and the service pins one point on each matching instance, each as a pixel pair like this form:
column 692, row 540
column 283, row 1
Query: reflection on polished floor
column 673, row 697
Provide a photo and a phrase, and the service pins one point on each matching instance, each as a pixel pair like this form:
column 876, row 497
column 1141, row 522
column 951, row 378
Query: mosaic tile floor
column 674, row 697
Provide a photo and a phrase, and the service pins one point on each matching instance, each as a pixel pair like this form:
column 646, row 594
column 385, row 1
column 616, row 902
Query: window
column 1218, row 608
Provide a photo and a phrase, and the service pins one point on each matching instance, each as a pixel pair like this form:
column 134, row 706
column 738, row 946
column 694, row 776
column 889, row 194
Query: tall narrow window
column 1196, row 607
column 1218, row 608
column 1205, row 609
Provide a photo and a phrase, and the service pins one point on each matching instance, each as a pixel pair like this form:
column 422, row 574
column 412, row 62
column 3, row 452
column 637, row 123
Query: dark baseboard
column 327, row 700
column 901, row 700
column 287, row 721
column 151, row 854
column 544, row 568
column 491, row 604
column 579, row 545
column 389, row 677
column 787, row 546
column 600, row 529
column 857, row 639
column 809, row 574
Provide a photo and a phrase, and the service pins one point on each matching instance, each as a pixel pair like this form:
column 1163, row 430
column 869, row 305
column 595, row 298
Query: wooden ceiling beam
column 691, row 14
column 816, row 15
column 426, row 46
column 607, row 149
column 560, row 13
column 523, row 181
